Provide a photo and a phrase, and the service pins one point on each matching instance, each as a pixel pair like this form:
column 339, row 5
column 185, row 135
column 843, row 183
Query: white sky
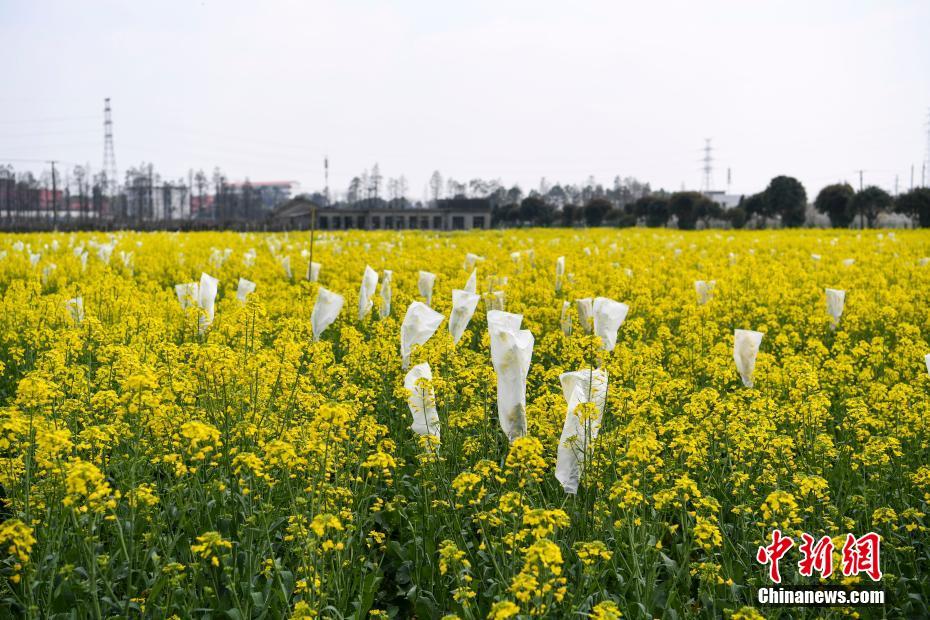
column 515, row 90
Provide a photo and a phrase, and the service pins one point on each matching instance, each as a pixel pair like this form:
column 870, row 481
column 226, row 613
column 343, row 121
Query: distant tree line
column 76, row 196
column 145, row 197
column 783, row 203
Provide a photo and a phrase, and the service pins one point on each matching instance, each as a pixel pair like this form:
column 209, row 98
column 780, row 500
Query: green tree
column 736, row 216
column 596, row 210
column 870, row 202
column 533, row 209
column 654, row 209
column 755, row 205
column 785, row 196
column 916, row 204
column 835, row 201
column 688, row 207
column 570, row 214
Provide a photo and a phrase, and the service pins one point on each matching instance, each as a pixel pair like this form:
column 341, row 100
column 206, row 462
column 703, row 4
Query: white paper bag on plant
column 566, row 320
column 286, row 265
column 511, row 352
column 47, row 272
column 494, row 301
column 609, row 315
column 425, row 282
column 849, row 262
column 559, row 273
column 923, row 262
column 366, row 292
column 498, row 320
column 585, row 308
column 704, row 290
column 464, row 304
column 420, row 323
column 188, row 294
column 745, row 348
column 244, row 289
column 126, row 259
column 313, row 271
column 472, row 285
column 76, row 309
column 105, row 251
column 471, row 259
column 206, row 297
column 83, row 261
column 248, row 259
column 927, row 362
column 384, row 310
column 422, row 401
column 836, row 300
column 327, row 307
column 581, row 386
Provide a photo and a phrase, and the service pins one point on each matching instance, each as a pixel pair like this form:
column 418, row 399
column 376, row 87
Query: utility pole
column 861, row 214
column 895, row 185
column 54, row 192
column 326, row 178
column 912, row 176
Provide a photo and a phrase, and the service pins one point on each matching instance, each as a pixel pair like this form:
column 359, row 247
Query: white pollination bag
column 425, row 282
column 422, row 401
column 927, row 362
column 75, row 308
column 464, row 304
column 585, row 308
column 704, row 290
column 286, row 265
column 384, row 310
column 327, row 307
column 188, row 294
column 609, row 315
column 472, row 285
column 420, row 323
column 244, row 289
column 206, row 299
column 566, row 321
column 366, row 292
column 471, row 259
column 745, row 348
column 581, row 427
column 511, row 352
column 836, row 300
column 559, row 273
column 313, row 271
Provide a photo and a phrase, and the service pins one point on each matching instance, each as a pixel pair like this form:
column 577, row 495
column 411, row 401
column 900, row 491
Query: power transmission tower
column 708, row 168
column 109, row 155
column 326, row 178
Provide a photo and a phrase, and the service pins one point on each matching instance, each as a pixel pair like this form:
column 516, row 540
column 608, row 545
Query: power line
column 48, row 120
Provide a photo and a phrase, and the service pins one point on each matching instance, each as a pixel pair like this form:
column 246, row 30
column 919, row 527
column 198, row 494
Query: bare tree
column 435, row 185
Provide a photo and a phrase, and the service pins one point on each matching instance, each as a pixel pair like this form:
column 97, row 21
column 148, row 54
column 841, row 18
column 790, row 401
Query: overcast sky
column 494, row 89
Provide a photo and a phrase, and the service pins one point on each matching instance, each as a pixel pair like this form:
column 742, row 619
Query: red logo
column 860, row 555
